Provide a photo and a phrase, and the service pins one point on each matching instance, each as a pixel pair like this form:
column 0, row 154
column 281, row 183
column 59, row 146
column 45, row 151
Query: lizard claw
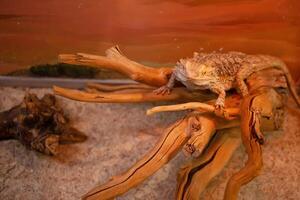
column 221, row 112
column 163, row 90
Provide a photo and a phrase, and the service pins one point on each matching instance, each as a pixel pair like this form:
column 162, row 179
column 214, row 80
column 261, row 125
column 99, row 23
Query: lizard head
column 201, row 74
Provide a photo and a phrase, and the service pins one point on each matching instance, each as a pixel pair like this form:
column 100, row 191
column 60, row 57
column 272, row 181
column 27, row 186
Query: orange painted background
column 157, row 31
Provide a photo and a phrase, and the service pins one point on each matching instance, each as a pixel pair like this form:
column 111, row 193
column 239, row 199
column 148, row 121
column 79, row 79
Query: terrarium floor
column 119, row 134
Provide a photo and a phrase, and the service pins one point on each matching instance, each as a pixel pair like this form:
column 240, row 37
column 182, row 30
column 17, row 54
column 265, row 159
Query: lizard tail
column 291, row 84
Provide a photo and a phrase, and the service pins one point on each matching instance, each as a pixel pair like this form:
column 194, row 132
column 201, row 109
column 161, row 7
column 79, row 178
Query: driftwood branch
column 265, row 103
column 196, row 175
column 193, row 134
column 118, row 87
column 144, row 96
column 116, row 61
column 183, row 134
column 204, row 107
column 169, row 144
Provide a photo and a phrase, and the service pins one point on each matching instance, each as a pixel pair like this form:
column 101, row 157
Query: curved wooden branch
column 196, row 175
column 116, row 61
column 172, row 141
column 263, row 103
column 253, row 165
column 191, row 105
column 180, row 107
column 183, row 132
column 147, row 96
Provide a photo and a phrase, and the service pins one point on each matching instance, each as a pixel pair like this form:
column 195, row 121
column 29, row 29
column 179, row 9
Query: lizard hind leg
column 220, row 102
column 241, row 86
column 243, row 73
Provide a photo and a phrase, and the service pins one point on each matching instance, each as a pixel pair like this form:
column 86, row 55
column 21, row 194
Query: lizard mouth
column 200, row 83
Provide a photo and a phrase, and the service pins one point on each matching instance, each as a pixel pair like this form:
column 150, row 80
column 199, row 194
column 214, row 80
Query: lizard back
column 228, row 64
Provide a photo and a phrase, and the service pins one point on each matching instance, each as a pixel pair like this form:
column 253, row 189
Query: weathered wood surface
column 114, row 60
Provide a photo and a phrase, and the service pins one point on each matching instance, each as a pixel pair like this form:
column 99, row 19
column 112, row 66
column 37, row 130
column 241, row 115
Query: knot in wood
column 189, row 149
column 195, row 126
column 255, row 111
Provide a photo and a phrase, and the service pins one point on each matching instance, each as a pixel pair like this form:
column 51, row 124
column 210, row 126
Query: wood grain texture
column 169, row 144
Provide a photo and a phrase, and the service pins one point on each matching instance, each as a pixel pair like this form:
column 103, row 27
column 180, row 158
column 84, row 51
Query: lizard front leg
column 166, row 89
column 244, row 72
column 242, row 86
column 220, row 102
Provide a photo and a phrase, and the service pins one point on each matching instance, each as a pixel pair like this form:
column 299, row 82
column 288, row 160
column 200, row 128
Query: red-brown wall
column 159, row 31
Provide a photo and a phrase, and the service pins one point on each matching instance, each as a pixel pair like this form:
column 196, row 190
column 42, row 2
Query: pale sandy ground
column 119, row 134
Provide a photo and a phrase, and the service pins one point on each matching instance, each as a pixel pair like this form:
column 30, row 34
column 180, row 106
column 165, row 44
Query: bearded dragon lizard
column 219, row 72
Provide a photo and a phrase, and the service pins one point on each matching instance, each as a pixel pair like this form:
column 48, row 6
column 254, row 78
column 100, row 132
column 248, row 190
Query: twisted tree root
column 196, row 175
column 253, row 110
column 172, row 141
